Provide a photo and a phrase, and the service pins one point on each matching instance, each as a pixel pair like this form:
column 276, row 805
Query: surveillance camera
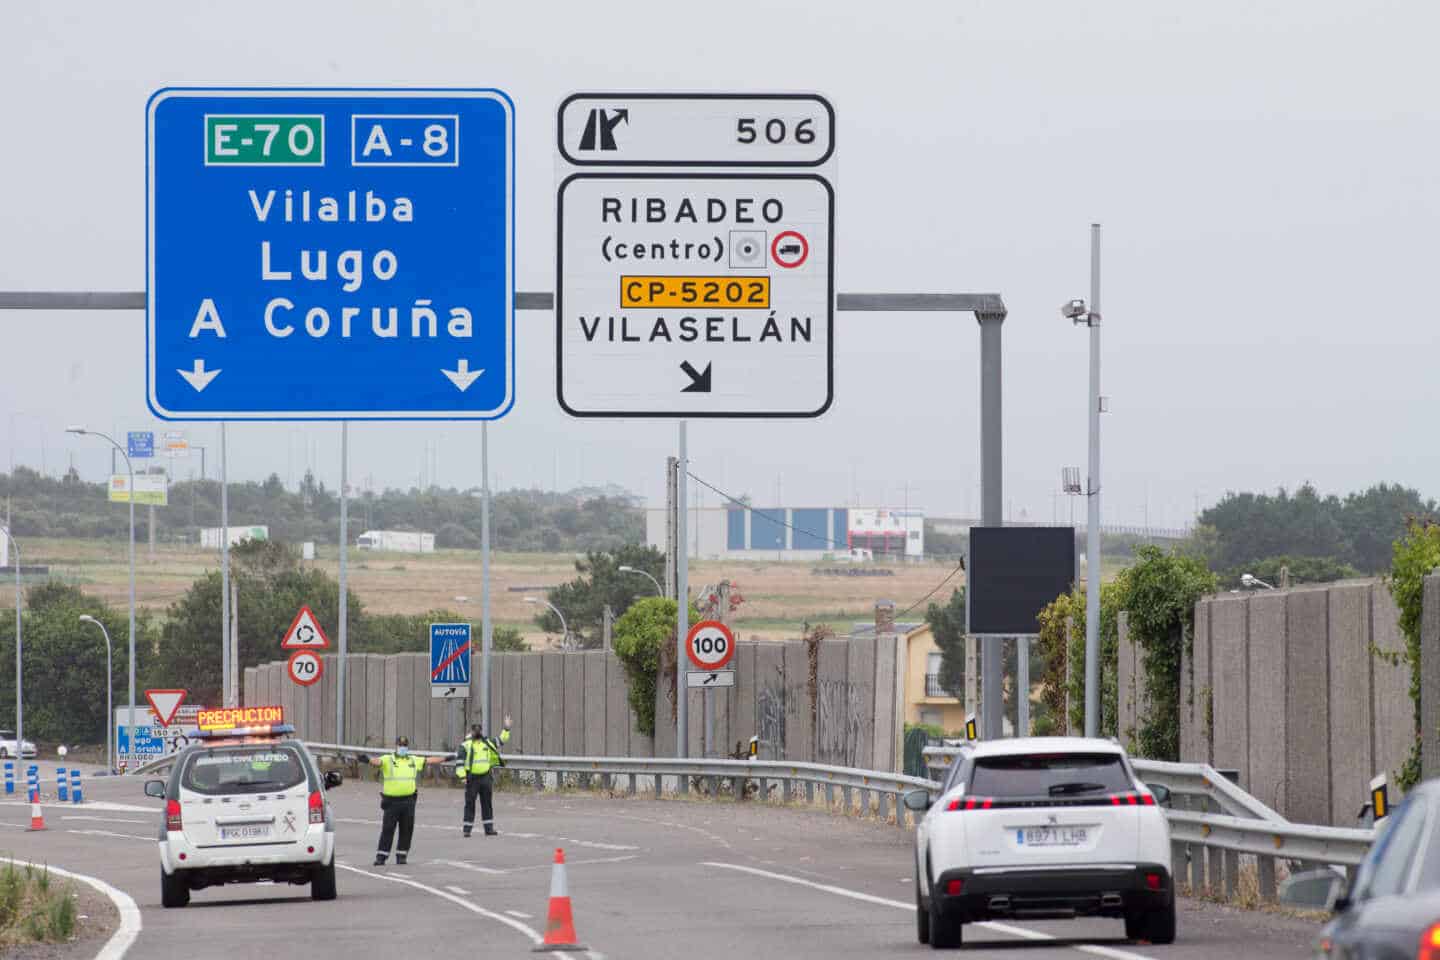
column 1074, row 310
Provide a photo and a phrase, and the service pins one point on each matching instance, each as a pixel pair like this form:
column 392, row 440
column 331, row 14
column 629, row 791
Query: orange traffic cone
column 559, row 925
column 37, row 818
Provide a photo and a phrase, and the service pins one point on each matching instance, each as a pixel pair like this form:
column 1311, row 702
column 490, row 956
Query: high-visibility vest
column 478, row 756
column 400, row 776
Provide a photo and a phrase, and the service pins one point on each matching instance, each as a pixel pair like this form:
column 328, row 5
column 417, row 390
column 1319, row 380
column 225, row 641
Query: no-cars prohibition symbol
column 710, row 644
column 789, row 249
column 305, row 667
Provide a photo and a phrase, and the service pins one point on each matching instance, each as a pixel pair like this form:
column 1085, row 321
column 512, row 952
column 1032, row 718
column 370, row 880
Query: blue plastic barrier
column 61, row 784
column 10, row 776
column 75, row 786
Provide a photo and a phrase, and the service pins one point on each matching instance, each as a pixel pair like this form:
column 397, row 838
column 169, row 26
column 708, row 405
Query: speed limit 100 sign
column 710, row 644
column 305, row 667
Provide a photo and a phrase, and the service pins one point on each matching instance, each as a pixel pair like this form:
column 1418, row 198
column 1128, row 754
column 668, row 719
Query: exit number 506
column 774, row 130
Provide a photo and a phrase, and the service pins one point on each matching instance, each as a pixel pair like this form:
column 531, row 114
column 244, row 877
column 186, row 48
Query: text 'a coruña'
column 626, row 329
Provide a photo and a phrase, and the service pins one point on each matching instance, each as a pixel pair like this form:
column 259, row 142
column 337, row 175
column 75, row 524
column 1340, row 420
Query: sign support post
column 486, row 632
column 225, row 700
column 344, row 544
column 682, row 603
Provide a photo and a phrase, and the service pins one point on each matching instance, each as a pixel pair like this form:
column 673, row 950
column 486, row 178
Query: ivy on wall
column 1416, row 554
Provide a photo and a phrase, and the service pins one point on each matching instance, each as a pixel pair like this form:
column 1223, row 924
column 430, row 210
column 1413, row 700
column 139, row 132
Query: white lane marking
column 575, row 863
column 472, row 867
column 1004, row 928
column 519, row 913
column 68, row 816
column 508, row 921
column 104, row 805
column 111, row 833
column 121, row 940
column 460, row 892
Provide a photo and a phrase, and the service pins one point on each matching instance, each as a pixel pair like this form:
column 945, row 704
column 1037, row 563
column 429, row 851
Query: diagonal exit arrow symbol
column 699, row 382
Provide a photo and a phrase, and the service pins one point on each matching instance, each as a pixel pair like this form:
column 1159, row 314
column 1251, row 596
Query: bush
column 1416, row 554
column 639, row 635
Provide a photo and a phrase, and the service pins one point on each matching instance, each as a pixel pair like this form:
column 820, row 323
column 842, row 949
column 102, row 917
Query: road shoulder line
column 445, row 895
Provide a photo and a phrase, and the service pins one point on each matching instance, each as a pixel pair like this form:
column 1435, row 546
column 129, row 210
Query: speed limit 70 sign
column 710, row 644
column 305, row 667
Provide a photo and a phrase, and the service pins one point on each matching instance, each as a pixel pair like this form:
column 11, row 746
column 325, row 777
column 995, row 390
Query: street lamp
column 81, row 431
column 19, row 674
column 564, row 629
column 1080, row 314
column 109, row 685
column 1249, row 582
column 644, row 573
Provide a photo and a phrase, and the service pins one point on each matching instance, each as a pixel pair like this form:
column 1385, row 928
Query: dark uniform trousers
column 398, row 811
column 479, row 785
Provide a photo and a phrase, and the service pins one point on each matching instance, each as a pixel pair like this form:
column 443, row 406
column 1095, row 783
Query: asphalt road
column 703, row 880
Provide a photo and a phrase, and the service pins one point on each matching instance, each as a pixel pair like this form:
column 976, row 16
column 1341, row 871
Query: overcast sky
column 1265, row 173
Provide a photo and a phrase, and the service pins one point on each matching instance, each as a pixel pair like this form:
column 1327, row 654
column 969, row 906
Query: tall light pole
column 658, row 591
column 109, row 685
column 564, row 628
column 19, row 673
column 81, row 431
column 1080, row 314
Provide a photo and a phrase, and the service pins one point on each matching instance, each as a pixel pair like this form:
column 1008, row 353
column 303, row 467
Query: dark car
column 1392, row 908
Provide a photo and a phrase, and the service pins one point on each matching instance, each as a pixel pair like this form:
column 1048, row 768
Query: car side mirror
column 333, row 779
column 917, row 800
column 155, row 788
column 1341, row 904
column 1162, row 794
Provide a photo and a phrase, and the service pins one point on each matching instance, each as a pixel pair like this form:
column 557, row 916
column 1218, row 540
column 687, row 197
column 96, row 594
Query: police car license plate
column 254, row 831
column 1051, row 836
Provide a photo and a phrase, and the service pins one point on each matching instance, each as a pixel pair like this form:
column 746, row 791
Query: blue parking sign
column 319, row 254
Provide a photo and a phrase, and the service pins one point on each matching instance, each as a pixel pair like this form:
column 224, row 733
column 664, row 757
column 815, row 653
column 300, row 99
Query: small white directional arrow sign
column 461, row 377
column 200, row 378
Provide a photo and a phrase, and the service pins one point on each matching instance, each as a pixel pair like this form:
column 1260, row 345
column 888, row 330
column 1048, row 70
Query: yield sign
column 165, row 703
column 305, row 633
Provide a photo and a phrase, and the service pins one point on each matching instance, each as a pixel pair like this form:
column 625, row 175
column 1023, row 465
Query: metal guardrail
column 1291, row 841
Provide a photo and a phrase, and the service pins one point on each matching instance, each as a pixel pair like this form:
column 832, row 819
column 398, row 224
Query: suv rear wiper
column 1060, row 789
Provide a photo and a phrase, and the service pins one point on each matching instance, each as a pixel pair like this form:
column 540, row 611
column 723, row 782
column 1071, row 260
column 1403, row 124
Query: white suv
column 1042, row 827
column 242, row 810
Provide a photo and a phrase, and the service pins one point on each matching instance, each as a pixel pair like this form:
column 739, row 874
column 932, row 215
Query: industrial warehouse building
column 796, row 534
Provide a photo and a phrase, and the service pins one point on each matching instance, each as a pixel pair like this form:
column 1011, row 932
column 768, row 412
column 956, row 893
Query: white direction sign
column 688, row 293
column 714, row 678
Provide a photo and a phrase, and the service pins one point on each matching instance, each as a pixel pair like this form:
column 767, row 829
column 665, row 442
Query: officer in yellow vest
column 399, row 786
column 473, row 762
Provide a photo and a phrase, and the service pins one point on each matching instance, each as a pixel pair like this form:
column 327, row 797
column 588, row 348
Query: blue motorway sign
column 320, row 254
column 450, row 659
column 140, row 443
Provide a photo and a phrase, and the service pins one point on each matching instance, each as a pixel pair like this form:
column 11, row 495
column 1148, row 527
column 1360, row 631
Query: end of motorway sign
column 337, row 254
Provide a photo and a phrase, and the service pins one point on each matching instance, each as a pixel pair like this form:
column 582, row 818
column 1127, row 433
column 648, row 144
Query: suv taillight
column 172, row 816
column 1132, row 800
column 971, row 803
column 1429, row 944
column 317, row 807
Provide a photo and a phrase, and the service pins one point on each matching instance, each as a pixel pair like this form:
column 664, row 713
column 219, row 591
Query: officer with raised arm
column 477, row 756
column 399, row 788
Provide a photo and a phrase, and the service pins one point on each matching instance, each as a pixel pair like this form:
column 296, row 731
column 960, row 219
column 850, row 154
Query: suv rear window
column 248, row 768
column 1078, row 775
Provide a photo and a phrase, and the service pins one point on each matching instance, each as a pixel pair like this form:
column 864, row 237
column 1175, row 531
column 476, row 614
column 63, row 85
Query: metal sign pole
column 340, row 667
column 224, row 576
column 682, row 601
column 1022, row 687
column 486, row 636
column 992, row 512
column 1092, row 513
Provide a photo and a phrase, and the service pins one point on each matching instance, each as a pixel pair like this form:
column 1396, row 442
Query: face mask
column 402, row 751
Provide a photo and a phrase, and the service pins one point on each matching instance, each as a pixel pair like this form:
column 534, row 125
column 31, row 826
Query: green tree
column 64, row 663
column 642, row 634
column 1374, row 519
column 947, row 625
column 1416, row 555
column 1160, row 593
column 601, row 582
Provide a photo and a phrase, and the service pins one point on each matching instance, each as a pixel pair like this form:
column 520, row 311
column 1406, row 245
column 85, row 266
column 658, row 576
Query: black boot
column 490, row 832
column 400, row 859
column 380, row 859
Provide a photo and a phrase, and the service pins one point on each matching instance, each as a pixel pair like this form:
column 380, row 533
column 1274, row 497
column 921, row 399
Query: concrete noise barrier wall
column 1294, row 690
column 843, row 706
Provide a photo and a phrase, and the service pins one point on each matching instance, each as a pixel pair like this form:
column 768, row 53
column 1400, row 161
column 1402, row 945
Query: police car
column 1042, row 828
column 245, row 803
